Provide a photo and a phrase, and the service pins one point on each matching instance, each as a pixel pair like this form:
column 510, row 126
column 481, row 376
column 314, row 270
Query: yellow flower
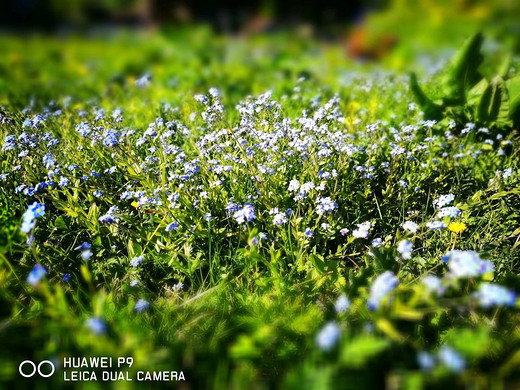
column 457, row 227
column 135, row 204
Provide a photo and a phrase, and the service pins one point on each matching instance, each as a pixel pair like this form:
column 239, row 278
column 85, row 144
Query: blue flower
column 111, row 138
column 34, row 211
column 64, row 182
column 380, row 288
column 279, row 219
column 405, row 248
column 433, row 284
column 467, row 264
column 36, row 274
column 86, row 254
column 141, row 305
column 435, row 225
column 136, row 261
column 450, row 211
column 425, row 360
column 342, row 304
column 325, row 205
column 49, row 161
column 490, row 294
column 362, row 230
column 172, row 226
column 28, row 225
column 443, row 200
column 245, row 214
column 328, row 336
column 96, row 325
column 65, row 277
column 376, row 242
column 410, row 226
column 143, row 81
column 83, row 246
column 308, row 233
column 451, row 359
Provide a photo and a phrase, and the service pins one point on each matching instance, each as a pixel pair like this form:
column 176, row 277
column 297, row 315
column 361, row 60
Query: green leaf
column 430, row 109
column 134, row 249
column 475, row 94
column 318, row 263
column 361, row 349
column 494, row 104
column 463, row 71
column 60, row 223
column 472, row 343
column 513, row 87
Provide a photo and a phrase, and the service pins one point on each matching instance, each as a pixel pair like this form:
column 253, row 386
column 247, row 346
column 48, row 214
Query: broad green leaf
column 494, row 104
column 430, row 109
column 361, row 349
column 463, row 71
column 60, row 223
column 475, row 94
column 513, row 87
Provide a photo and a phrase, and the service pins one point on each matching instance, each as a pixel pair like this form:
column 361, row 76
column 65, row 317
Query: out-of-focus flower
column 342, row 304
column 490, row 294
column 143, row 81
column 380, row 288
column 425, row 360
column 463, row 264
column 308, row 233
column 279, row 219
column 141, row 305
column 172, row 226
column 405, row 248
column 451, row 359
column 36, row 274
column 328, row 336
column 433, row 284
column 376, row 242
column 96, row 325
column 34, row 211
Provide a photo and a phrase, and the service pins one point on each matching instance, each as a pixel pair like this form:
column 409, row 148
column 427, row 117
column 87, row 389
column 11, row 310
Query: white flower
column 362, row 230
column 410, row 226
column 342, row 304
column 405, row 248
column 328, row 336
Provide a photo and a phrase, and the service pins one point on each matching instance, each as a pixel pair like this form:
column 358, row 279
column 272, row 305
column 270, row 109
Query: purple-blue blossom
column 37, row 273
column 328, row 336
column 380, row 288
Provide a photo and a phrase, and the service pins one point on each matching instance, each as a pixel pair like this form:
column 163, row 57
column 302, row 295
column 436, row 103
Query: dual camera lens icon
column 35, row 368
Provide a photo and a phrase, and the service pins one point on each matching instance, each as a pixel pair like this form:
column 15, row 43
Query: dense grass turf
column 256, row 213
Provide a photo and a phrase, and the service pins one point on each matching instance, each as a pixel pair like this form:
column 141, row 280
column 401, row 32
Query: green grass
column 250, row 309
